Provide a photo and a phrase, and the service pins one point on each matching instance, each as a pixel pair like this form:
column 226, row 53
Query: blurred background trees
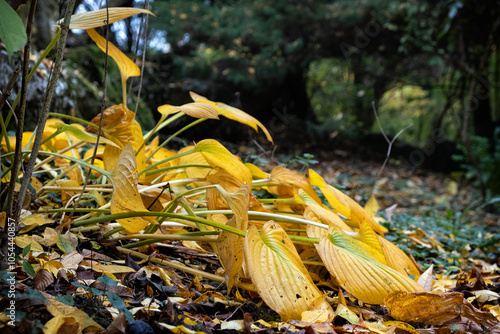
column 315, row 66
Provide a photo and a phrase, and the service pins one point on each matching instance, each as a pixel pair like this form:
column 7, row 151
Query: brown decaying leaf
column 43, row 278
column 230, row 245
column 119, row 125
column 435, row 308
column 278, row 272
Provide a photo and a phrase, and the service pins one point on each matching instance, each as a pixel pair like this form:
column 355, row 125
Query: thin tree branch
column 57, row 67
column 390, row 142
column 22, row 112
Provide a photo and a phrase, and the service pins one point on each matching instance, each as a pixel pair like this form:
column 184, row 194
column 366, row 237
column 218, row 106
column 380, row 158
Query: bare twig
column 103, row 107
column 144, row 48
column 390, row 142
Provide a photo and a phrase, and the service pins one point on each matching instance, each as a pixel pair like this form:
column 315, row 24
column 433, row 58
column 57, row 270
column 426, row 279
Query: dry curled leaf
column 435, row 308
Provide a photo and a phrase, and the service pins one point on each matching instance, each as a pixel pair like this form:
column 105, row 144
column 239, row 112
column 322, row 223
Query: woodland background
column 310, row 70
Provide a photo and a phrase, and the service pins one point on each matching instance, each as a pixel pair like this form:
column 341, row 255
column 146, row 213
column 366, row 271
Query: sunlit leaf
column 358, row 272
column 257, row 173
column 278, row 272
column 218, row 156
column 340, row 205
column 371, row 207
column 357, row 214
column 112, row 268
column 195, row 109
column 103, row 17
column 126, row 197
column 326, row 215
column 426, row 279
column 230, row 245
column 233, row 113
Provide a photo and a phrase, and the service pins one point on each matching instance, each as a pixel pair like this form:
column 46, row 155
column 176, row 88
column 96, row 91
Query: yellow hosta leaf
column 370, row 241
column 22, row 241
column 195, row 109
column 325, row 215
column 126, row 66
column 160, row 155
column 257, row 173
column 119, row 125
column 230, row 245
column 99, row 18
column 98, row 162
column 397, row 259
column 371, row 207
column 359, row 273
column 233, row 113
column 286, row 182
column 62, row 312
column 358, row 214
column 340, row 205
column 126, row 197
column 218, row 156
column 278, row 272
column 195, row 158
column 33, row 221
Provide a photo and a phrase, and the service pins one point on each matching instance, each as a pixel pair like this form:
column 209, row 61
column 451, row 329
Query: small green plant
column 488, row 157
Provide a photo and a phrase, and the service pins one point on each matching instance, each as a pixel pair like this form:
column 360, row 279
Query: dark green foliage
column 487, row 154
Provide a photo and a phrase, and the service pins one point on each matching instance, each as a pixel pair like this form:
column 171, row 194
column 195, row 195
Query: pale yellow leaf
column 326, row 215
column 112, row 268
column 32, row 221
column 359, row 273
column 103, row 17
column 126, row 197
column 278, row 272
column 371, row 207
column 357, row 213
column 257, row 173
column 229, row 245
column 233, row 113
column 426, row 279
column 218, row 156
column 339, row 205
column 22, row 241
column 126, row 66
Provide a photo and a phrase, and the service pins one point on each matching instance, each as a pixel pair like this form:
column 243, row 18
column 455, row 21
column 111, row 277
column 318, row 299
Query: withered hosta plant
column 140, row 192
